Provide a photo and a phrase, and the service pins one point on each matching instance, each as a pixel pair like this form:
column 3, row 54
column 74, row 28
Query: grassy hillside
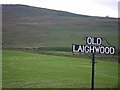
column 28, row 70
column 25, row 26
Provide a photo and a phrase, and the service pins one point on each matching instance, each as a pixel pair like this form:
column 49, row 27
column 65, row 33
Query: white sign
column 93, row 41
column 94, row 45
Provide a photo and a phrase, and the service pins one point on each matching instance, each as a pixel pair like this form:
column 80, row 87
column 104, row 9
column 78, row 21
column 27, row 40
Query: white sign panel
column 94, row 45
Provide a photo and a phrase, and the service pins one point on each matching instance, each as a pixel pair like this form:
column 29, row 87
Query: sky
column 85, row 7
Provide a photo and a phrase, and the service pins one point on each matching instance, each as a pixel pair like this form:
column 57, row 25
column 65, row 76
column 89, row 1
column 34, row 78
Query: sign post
column 94, row 45
column 93, row 70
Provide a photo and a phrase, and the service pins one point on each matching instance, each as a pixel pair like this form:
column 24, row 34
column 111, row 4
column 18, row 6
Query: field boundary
column 65, row 53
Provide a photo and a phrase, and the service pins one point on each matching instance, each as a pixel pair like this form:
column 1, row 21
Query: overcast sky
column 85, row 7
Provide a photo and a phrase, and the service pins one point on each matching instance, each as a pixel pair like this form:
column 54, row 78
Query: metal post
column 93, row 64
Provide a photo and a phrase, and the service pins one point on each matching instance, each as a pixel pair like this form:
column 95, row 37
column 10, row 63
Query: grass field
column 29, row 70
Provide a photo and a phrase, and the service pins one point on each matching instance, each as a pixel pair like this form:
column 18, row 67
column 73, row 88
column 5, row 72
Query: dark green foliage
column 64, row 49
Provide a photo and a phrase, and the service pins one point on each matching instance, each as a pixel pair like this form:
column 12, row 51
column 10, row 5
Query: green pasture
column 29, row 70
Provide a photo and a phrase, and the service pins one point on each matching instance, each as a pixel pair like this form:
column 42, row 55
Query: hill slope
column 26, row 26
